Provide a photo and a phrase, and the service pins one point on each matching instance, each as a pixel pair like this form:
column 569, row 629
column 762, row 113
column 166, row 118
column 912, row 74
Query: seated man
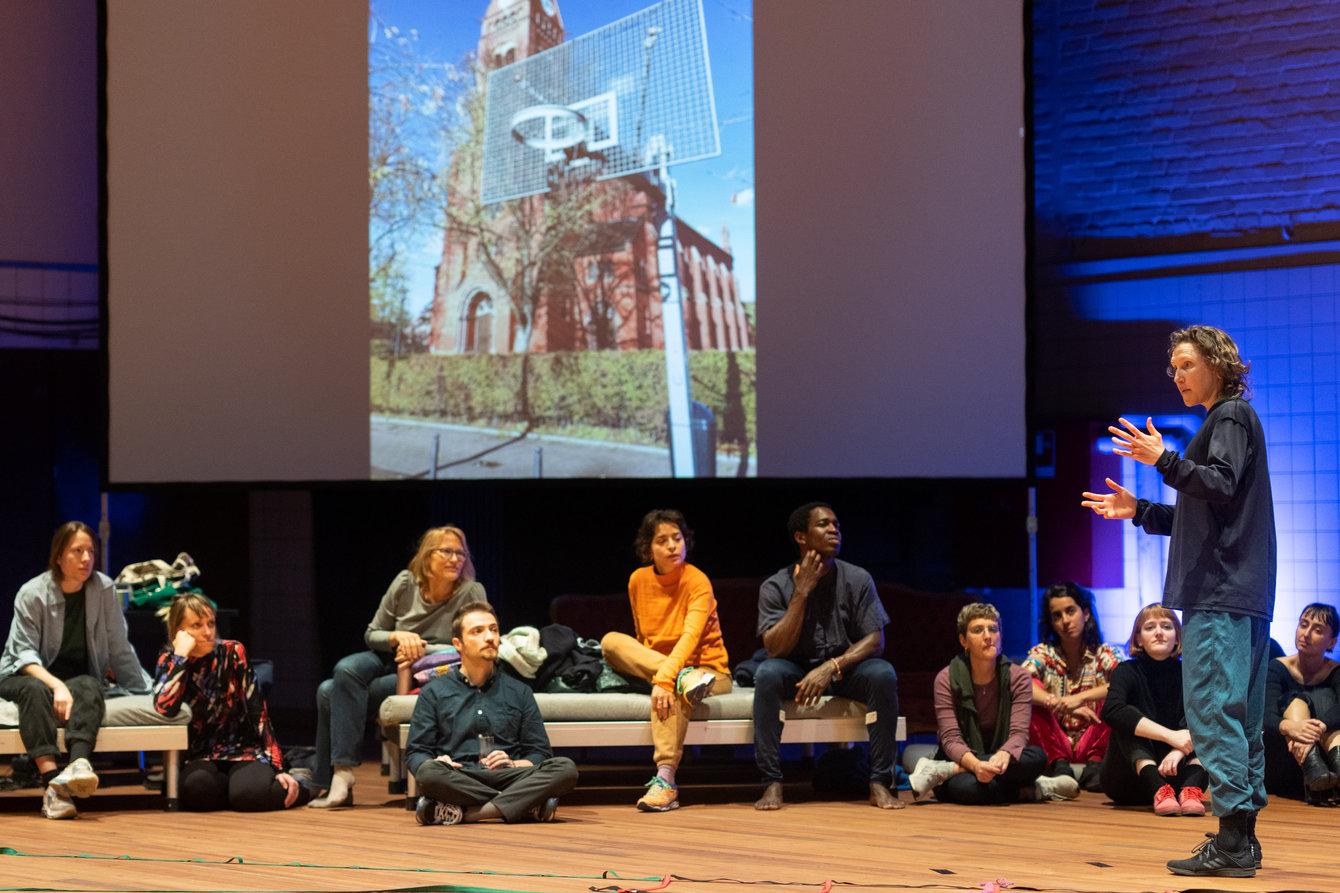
column 515, row 775
column 823, row 627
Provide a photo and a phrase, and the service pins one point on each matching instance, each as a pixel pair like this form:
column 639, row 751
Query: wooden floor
column 124, row 841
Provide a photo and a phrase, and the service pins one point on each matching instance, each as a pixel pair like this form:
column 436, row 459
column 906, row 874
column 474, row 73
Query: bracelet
column 837, row 668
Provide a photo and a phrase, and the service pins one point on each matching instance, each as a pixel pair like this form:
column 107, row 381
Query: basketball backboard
column 627, row 97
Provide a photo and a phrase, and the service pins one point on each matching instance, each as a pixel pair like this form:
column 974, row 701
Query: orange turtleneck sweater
column 676, row 615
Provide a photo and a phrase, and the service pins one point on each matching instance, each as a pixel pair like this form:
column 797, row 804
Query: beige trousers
column 631, row 658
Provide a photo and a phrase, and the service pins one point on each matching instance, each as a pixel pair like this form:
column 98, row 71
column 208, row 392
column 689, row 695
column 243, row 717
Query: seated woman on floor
column 1303, row 709
column 1071, row 666
column 678, row 647
column 982, row 703
column 414, row 617
column 232, row 758
column 1150, row 756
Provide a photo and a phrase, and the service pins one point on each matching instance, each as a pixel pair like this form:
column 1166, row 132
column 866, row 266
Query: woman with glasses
column 982, row 705
column 414, row 617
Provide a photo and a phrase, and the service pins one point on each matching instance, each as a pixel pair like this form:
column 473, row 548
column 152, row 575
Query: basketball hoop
column 549, row 128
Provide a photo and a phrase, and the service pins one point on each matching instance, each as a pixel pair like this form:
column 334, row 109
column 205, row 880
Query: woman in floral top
column 233, row 759
column 1071, row 667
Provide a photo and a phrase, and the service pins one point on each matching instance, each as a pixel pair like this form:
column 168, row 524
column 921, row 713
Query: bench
column 131, row 724
column 623, row 720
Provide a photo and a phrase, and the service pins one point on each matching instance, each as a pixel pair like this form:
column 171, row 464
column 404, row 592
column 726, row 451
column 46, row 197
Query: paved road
column 404, row 449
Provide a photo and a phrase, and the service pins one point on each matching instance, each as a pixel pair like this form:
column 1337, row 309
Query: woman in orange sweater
column 677, row 648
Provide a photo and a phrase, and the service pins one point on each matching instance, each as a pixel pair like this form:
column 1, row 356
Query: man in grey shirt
column 823, row 627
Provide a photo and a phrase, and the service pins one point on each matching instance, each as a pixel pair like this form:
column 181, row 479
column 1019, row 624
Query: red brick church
column 612, row 298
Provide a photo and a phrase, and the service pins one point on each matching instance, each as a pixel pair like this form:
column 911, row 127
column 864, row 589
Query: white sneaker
column 77, row 779
column 1056, row 787
column 432, row 812
column 929, row 774
column 56, row 804
column 701, row 687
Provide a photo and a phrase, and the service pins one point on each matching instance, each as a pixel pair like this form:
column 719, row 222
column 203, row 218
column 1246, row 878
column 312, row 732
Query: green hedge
column 623, row 391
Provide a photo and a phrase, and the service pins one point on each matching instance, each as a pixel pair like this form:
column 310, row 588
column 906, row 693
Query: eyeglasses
column 450, row 553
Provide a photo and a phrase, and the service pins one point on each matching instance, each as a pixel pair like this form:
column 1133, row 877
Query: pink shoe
column 1165, row 802
column 1192, row 801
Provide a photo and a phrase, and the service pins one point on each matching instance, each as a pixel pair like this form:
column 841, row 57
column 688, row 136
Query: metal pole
column 539, row 462
column 676, row 343
column 432, row 468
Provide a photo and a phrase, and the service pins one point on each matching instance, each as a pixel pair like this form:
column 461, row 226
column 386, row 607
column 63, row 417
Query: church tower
column 517, row 29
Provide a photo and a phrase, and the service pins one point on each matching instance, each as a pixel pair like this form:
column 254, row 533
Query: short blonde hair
column 976, row 611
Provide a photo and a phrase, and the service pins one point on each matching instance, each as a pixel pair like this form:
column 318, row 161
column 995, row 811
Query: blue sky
column 713, row 193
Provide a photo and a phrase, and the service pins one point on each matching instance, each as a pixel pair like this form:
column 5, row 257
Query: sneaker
column 56, row 804
column 431, row 812
column 1209, row 860
column 929, row 774
column 699, row 689
column 77, row 779
column 1165, row 801
column 1192, row 802
column 660, row 797
column 544, row 812
column 1256, row 851
column 1063, row 787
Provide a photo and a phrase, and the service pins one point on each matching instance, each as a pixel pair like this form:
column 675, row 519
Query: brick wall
column 1184, row 123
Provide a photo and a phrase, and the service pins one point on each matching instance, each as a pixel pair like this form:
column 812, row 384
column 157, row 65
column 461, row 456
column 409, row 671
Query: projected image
column 561, row 242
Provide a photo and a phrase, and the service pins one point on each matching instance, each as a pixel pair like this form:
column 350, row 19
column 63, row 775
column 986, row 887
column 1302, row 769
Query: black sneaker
column 1256, row 850
column 431, row 812
column 544, row 812
column 1208, row 860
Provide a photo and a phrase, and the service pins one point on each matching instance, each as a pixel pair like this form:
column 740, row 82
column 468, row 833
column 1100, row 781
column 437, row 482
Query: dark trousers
column 241, row 785
column 1119, row 778
column 513, row 791
column 872, row 682
column 37, row 712
column 1004, row 788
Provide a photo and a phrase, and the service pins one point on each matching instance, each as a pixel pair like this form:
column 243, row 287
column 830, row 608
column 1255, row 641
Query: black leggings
column 1122, row 783
column 241, row 785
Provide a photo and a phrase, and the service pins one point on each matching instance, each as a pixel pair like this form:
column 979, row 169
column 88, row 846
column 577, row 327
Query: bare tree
column 529, row 246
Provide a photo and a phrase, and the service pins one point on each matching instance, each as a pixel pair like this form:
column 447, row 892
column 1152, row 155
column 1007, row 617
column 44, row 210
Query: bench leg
column 171, row 768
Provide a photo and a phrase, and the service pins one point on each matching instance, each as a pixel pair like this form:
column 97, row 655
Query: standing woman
column 1071, row 666
column 982, row 702
column 1303, row 704
column 413, row 618
column 1151, row 756
column 232, row 758
column 678, row 648
column 66, row 643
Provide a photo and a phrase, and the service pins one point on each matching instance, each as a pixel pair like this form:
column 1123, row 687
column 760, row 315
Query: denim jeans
column 344, row 703
column 1224, row 661
column 37, row 712
column 872, row 682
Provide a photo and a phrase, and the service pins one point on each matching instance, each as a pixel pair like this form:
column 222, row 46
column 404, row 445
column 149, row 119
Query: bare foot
column 884, row 798
column 772, row 797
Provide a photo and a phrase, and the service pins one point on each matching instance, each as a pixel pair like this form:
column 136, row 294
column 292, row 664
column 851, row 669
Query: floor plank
column 123, row 841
